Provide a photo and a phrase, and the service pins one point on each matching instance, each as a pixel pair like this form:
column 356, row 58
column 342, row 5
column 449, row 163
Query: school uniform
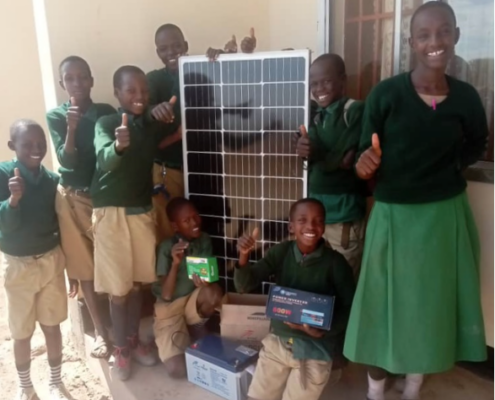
column 335, row 130
column 174, row 316
column 417, row 306
column 168, row 166
column 32, row 262
column 73, row 201
column 123, row 220
column 293, row 365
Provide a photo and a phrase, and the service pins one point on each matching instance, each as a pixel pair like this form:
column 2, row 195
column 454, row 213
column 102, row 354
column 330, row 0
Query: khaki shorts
column 278, row 374
column 74, row 217
column 124, row 250
column 36, row 291
column 170, row 326
column 347, row 238
column 174, row 183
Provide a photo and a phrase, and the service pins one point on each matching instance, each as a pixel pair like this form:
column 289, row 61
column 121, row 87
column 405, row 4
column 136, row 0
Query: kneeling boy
column 183, row 305
column 296, row 360
column 33, row 262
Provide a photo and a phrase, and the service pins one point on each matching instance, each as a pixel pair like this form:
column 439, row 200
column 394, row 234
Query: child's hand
column 73, row 115
column 231, row 46
column 303, row 147
column 213, row 54
column 122, row 135
column 73, row 288
column 348, row 159
column 16, row 187
column 198, row 282
column 248, row 44
column 165, row 111
column 313, row 332
column 246, row 243
column 178, row 251
column 370, row 160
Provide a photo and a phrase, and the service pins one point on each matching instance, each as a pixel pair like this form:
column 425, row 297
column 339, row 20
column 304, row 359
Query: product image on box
column 300, row 307
column 205, row 267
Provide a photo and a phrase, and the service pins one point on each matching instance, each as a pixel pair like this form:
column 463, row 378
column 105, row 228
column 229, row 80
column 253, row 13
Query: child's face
column 325, row 82
column 76, row 80
column 133, row 94
column 170, row 45
column 307, row 225
column 188, row 222
column 433, row 37
column 29, row 144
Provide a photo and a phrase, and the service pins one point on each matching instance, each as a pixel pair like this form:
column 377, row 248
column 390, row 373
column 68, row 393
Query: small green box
column 205, row 267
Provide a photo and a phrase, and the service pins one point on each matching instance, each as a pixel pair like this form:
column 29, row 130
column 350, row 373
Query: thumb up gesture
column 122, row 135
column 248, row 44
column 16, row 188
column 164, row 112
column 245, row 244
column 370, row 160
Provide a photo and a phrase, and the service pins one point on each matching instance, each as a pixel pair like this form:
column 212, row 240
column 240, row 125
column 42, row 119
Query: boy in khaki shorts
column 33, row 263
column 182, row 305
column 296, row 360
column 123, row 222
column 72, row 128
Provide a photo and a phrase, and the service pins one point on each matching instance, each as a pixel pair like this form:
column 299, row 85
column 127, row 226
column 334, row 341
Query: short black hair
column 166, row 27
column 175, row 205
column 307, row 200
column 23, row 123
column 335, row 59
column 70, row 59
column 432, row 4
column 125, row 69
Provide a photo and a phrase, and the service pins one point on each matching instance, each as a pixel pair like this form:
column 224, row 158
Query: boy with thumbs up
column 296, row 360
column 32, row 261
column 72, row 128
column 182, row 305
column 123, row 221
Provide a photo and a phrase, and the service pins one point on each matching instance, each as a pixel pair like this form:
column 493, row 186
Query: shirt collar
column 27, row 174
column 300, row 257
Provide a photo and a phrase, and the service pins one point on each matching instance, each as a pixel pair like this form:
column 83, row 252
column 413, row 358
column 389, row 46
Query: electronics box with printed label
column 205, row 267
column 219, row 365
column 300, row 307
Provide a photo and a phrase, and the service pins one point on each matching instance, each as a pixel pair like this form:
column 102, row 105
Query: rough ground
column 77, row 377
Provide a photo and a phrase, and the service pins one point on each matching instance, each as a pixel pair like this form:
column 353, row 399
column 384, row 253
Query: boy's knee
column 176, row 367
column 209, row 299
column 50, row 330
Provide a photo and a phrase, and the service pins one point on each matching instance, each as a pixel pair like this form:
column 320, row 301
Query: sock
column 376, row 389
column 134, row 305
column 24, row 373
column 55, row 371
column 118, row 312
column 413, row 386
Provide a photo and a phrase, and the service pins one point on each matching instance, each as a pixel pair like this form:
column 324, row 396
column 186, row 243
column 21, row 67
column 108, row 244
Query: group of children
column 416, row 309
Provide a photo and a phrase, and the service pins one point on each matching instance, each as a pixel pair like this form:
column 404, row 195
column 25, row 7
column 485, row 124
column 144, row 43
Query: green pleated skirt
column 417, row 307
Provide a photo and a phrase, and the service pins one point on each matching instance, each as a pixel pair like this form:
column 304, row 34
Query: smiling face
column 326, row 82
column 76, row 80
column 187, row 222
column 170, row 45
column 29, row 144
column 434, row 36
column 307, row 224
column 132, row 92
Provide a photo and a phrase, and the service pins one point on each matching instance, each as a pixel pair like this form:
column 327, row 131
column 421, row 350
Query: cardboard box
column 205, row 267
column 243, row 318
column 300, row 307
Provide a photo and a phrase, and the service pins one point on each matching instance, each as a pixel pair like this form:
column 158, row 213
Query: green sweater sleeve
column 10, row 218
column 249, row 277
column 373, row 119
column 475, row 131
column 57, row 126
column 106, row 155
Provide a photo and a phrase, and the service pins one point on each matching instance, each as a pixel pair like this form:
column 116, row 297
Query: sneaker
column 142, row 353
column 121, row 363
column 59, row 392
column 26, row 394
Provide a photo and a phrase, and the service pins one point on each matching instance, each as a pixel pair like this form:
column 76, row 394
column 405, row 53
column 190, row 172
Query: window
column 372, row 36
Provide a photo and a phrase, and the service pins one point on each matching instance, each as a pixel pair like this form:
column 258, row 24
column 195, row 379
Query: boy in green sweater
column 182, row 305
column 330, row 149
column 123, row 222
column 33, row 263
column 72, row 128
column 296, row 360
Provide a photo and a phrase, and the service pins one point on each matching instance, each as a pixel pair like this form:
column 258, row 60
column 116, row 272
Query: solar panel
column 239, row 115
